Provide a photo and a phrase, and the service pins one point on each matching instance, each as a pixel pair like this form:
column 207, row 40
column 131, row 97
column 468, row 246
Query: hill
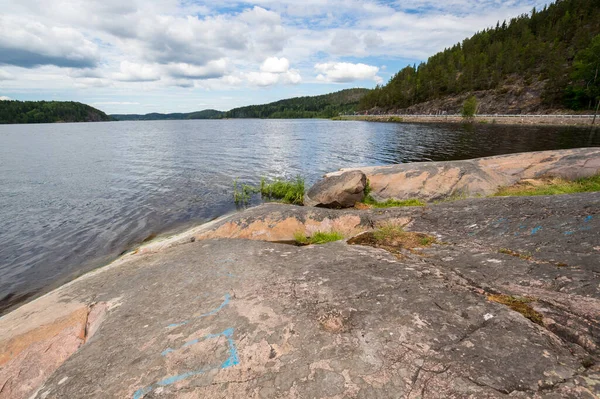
column 546, row 60
column 206, row 114
column 49, row 112
column 324, row 106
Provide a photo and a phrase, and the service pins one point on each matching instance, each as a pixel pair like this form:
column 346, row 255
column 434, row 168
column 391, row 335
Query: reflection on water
column 74, row 196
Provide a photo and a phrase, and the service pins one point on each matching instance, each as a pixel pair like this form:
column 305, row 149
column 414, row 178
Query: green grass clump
column 242, row 193
column 392, row 203
column 290, row 192
column 554, row 186
column 319, row 237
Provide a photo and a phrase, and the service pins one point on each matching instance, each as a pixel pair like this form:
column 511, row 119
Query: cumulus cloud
column 26, row 43
column 275, row 65
column 4, row 98
column 207, row 45
column 212, row 70
column 133, row 72
column 115, row 103
column 341, row 72
column 274, row 70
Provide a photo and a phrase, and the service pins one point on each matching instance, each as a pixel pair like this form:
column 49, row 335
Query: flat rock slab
column 481, row 176
column 230, row 317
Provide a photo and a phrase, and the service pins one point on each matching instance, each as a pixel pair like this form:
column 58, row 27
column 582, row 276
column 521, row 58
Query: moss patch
column 318, row 238
column 394, row 239
column 515, row 254
column 551, row 186
column 518, row 304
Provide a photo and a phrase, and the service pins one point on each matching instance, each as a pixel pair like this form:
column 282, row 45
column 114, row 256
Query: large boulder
column 341, row 191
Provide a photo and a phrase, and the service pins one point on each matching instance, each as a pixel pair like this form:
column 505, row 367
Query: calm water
column 75, row 196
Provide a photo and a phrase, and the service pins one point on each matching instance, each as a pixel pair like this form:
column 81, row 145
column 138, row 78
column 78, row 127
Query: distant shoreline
column 545, row 120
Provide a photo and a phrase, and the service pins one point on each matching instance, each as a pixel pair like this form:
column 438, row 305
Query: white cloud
column 275, row 65
column 346, row 72
column 115, row 103
column 212, row 70
column 263, row 78
column 133, row 72
column 5, row 75
column 4, row 98
column 109, row 46
column 27, row 43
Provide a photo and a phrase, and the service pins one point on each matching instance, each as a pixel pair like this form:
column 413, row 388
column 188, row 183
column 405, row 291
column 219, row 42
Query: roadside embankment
column 482, row 298
column 550, row 120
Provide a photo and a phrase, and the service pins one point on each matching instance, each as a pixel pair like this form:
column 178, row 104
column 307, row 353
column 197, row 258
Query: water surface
column 75, row 196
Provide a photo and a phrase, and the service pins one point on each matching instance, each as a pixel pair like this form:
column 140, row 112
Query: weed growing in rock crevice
column 320, row 237
column 518, row 304
column 393, row 238
column 551, row 186
column 390, row 203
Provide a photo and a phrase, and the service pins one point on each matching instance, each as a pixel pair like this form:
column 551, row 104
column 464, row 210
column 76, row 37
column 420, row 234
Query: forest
column 49, row 112
column 205, row 114
column 558, row 46
column 324, row 106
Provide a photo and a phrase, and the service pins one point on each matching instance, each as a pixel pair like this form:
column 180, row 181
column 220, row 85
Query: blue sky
column 141, row 56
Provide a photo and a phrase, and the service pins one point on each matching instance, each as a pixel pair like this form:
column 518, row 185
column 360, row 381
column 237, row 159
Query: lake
column 75, row 196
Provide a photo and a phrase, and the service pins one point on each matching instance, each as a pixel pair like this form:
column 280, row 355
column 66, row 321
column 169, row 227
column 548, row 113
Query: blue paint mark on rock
column 535, row 230
column 231, row 361
column 211, row 313
column 589, row 218
column 167, row 351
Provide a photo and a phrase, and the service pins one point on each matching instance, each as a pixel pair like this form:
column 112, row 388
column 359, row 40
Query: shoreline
column 229, row 308
column 531, row 120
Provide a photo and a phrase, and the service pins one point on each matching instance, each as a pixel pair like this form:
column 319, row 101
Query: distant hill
column 324, row 106
column 543, row 61
column 49, row 112
column 206, row 114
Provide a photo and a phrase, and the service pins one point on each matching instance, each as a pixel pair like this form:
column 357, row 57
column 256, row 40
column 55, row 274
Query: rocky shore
column 501, row 300
column 516, row 120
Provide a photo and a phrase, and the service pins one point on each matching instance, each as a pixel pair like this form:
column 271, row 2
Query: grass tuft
column 551, row 186
column 242, row 193
column 318, row 238
column 518, row 304
column 290, row 192
column 390, row 203
column 506, row 251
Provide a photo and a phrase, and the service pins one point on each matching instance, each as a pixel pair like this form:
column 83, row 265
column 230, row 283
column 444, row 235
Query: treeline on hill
column 325, row 106
column 206, row 114
column 49, row 112
column 559, row 46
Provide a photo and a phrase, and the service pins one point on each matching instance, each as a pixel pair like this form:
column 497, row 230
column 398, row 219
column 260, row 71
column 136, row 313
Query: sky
column 141, row 56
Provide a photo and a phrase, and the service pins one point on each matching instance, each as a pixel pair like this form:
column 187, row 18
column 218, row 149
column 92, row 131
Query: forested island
column 49, row 112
